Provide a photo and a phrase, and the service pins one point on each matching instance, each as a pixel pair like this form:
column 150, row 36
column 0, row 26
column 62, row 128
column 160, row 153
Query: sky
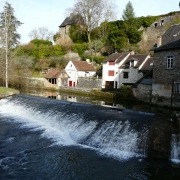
column 51, row 13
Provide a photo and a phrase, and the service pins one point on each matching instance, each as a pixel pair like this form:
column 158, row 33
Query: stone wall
column 162, row 75
column 143, row 92
column 158, row 28
column 89, row 83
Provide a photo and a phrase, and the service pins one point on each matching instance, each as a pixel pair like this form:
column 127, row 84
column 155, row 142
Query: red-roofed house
column 76, row 69
column 55, row 78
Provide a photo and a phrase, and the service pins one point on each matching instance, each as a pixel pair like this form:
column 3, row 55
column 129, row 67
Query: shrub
column 80, row 48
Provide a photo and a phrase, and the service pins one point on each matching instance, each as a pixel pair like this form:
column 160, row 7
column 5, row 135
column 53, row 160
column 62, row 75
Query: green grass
column 7, row 91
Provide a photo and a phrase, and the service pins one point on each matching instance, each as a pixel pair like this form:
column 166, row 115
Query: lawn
column 7, row 91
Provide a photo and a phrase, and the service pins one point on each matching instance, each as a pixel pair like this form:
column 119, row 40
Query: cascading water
column 118, row 134
column 175, row 148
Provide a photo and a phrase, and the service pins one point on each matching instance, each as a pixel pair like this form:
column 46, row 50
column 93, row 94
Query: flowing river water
column 43, row 138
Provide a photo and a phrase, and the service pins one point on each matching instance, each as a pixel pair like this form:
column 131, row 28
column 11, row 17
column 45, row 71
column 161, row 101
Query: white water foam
column 175, row 148
column 114, row 139
column 58, row 128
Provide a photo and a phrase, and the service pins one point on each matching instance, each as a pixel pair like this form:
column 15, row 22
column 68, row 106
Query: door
column 70, row 83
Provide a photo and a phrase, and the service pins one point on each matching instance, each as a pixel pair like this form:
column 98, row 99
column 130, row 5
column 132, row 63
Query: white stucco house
column 77, row 69
column 124, row 69
column 134, row 68
column 110, row 70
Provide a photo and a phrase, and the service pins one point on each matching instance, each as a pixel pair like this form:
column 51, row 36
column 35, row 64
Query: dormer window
column 132, row 63
column 169, row 62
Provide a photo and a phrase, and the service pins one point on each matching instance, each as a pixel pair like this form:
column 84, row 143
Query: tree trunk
column 89, row 37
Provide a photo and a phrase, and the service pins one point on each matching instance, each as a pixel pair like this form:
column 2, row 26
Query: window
column 177, row 88
column 53, row 81
column 132, row 63
column 125, row 75
column 111, row 63
column 110, row 73
column 169, row 62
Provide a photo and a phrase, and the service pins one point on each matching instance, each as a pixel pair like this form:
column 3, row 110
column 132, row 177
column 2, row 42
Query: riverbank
column 108, row 96
column 4, row 92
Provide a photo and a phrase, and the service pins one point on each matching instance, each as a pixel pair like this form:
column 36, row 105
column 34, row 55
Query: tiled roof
column 83, row 65
column 72, row 19
column 116, row 57
column 148, row 65
column 53, row 73
column 171, row 45
column 137, row 57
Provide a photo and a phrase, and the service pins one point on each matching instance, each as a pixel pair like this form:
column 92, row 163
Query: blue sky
column 51, row 13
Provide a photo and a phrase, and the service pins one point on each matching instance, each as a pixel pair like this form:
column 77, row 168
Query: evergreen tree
column 128, row 12
column 8, row 27
column 9, row 37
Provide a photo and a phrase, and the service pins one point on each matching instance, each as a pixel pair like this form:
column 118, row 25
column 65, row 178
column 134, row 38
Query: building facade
column 124, row 69
column 78, row 69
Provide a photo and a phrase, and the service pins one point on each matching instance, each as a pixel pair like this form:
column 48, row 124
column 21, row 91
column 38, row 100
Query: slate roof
column 53, row 73
column 83, row 65
column 148, row 65
column 72, row 19
column 116, row 57
column 169, row 46
column 172, row 34
column 137, row 57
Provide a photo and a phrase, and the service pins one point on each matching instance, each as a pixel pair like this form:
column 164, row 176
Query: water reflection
column 124, row 104
column 74, row 98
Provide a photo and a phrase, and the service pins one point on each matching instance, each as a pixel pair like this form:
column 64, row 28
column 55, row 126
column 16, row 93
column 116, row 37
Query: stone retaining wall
column 89, row 83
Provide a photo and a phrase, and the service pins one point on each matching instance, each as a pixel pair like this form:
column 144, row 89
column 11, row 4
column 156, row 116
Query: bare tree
column 41, row 33
column 94, row 12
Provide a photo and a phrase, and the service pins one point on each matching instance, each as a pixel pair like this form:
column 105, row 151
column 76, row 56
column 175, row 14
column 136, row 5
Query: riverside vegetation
column 35, row 57
column 7, row 92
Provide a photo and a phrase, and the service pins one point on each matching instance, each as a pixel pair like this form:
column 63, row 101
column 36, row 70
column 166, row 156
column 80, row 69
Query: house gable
column 77, row 69
column 135, row 61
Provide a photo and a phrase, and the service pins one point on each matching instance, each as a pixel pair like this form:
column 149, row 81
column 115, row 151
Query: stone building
column 158, row 28
column 56, row 78
column 63, row 34
column 166, row 73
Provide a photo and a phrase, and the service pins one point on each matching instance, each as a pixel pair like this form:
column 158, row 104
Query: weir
column 118, row 133
column 175, row 148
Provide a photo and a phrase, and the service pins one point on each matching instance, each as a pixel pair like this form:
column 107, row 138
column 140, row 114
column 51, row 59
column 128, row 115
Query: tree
column 9, row 24
column 77, row 33
column 93, row 12
column 128, row 12
column 9, row 37
column 41, row 33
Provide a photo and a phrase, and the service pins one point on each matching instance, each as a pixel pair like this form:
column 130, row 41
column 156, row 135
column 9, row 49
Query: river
column 48, row 138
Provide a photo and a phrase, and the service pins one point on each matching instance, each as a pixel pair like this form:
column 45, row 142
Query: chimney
column 159, row 41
